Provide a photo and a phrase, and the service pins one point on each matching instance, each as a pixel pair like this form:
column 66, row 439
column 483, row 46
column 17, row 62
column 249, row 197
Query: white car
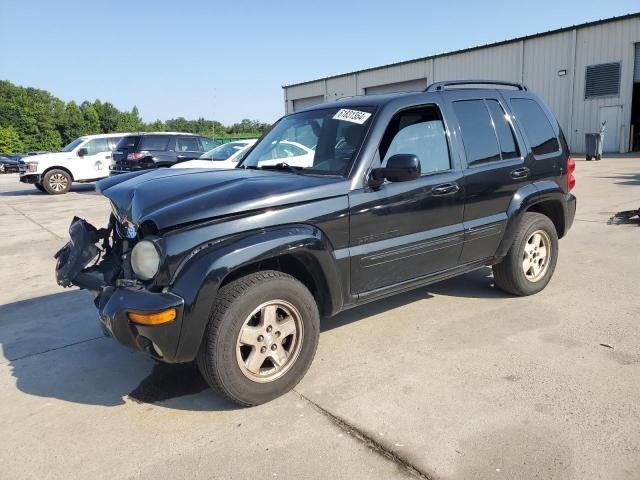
column 86, row 159
column 226, row 155
column 292, row 153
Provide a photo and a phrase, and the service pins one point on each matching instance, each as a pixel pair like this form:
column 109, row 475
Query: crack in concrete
column 374, row 445
column 32, row 220
column 12, row 360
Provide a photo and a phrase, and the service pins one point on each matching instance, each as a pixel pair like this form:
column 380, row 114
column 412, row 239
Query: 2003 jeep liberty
column 234, row 268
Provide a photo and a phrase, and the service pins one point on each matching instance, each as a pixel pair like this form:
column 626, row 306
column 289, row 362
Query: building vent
column 602, row 80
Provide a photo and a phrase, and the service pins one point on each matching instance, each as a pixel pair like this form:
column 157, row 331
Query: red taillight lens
column 571, row 180
column 134, row 156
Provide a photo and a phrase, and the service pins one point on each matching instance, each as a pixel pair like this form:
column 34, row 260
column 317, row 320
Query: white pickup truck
column 86, row 159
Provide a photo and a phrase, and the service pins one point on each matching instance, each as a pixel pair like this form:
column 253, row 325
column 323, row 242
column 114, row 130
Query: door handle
column 519, row 173
column 181, row 156
column 445, row 189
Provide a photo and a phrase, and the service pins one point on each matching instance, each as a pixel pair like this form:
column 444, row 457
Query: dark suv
column 234, row 268
column 143, row 151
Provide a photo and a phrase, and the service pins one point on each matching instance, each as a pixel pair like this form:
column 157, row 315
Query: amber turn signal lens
column 154, row 318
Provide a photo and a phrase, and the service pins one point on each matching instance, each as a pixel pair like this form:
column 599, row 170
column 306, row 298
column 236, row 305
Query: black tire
column 39, row 187
column 589, row 158
column 56, row 182
column 509, row 274
column 234, row 303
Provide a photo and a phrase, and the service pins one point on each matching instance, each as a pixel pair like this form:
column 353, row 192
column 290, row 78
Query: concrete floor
column 453, row 381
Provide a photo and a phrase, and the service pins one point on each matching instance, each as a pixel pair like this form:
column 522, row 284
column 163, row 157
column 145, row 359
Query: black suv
column 143, row 151
column 234, row 268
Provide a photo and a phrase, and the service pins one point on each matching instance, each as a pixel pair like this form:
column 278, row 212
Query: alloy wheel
column 536, row 255
column 269, row 341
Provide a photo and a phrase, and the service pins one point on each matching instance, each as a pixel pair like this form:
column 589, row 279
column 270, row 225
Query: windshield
column 321, row 142
column 223, row 152
column 73, row 144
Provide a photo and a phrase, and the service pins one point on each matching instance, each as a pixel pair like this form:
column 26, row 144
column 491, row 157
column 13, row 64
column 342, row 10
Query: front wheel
column 261, row 338
column 531, row 260
column 56, row 182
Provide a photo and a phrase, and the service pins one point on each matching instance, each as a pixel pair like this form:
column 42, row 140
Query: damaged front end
column 89, row 245
column 99, row 260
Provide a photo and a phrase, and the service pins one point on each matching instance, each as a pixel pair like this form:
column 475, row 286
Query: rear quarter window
column 154, row 142
column 536, row 125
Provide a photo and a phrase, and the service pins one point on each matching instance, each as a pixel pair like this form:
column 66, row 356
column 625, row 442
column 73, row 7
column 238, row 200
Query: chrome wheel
column 58, row 182
column 536, row 255
column 269, row 341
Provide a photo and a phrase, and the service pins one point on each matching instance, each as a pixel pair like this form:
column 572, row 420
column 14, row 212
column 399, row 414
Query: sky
column 227, row 60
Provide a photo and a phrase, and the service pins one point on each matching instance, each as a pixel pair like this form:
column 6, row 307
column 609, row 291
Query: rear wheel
column 261, row 338
column 531, row 260
column 56, row 182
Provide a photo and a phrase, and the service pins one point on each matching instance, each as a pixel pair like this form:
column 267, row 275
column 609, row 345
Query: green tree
column 73, row 123
column 91, row 118
column 10, row 140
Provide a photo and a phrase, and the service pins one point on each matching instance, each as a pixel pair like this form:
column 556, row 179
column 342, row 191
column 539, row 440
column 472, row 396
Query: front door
column 407, row 230
column 610, row 115
column 95, row 164
column 187, row 148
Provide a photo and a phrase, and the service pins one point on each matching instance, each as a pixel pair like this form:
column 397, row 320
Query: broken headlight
column 145, row 260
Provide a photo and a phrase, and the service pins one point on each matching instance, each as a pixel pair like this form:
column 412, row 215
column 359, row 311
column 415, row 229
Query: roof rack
column 439, row 86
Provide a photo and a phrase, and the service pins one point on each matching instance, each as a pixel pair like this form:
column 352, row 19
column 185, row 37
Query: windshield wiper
column 282, row 166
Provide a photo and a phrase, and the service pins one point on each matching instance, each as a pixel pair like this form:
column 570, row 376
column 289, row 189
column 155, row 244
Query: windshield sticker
column 354, row 116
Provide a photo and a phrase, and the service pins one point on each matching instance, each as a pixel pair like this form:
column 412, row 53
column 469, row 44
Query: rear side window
column 187, row 144
column 127, row 143
column 420, row 132
column 154, row 142
column 536, row 126
column 502, row 124
column 113, row 142
column 478, row 135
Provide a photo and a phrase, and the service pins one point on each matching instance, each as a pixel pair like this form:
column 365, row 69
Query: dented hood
column 170, row 197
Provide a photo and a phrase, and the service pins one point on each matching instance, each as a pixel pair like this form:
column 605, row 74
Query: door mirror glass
column 400, row 168
column 82, row 152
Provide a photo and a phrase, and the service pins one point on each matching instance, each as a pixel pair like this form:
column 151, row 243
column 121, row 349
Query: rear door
column 495, row 168
column 187, row 148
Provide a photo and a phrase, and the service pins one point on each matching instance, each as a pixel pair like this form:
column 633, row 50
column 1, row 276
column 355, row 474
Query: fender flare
column 523, row 200
column 200, row 278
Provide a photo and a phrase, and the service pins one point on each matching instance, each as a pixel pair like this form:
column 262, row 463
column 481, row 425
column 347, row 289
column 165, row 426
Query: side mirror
column 82, row 152
column 400, row 168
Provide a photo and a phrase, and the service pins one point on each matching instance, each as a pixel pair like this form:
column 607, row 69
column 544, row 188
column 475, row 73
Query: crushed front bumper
column 115, row 302
column 161, row 341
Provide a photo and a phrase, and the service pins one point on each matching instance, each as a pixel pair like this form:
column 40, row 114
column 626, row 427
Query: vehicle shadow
column 625, row 178
column 87, row 188
column 54, row 348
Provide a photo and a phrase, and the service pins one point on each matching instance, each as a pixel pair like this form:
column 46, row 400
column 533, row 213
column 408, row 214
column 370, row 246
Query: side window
column 113, row 142
column 97, row 145
column 187, row 144
column 502, row 124
column 536, row 126
column 418, row 131
column 478, row 135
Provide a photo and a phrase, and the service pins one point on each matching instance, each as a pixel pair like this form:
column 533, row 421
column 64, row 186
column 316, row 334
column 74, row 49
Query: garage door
column 302, row 103
column 408, row 86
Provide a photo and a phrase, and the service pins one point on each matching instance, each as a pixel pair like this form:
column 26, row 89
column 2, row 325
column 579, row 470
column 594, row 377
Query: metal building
column 586, row 73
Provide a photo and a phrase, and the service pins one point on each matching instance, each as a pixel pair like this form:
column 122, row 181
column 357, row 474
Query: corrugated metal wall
column 535, row 61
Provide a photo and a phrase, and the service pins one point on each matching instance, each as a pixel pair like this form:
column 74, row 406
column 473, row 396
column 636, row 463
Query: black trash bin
column 593, row 143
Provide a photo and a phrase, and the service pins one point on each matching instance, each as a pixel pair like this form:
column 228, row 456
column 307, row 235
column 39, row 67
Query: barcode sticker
column 354, row 116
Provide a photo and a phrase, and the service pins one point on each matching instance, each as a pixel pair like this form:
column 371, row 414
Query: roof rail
column 439, row 86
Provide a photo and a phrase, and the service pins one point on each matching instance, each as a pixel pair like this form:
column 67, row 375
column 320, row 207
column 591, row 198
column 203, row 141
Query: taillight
column 571, row 179
column 134, row 156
